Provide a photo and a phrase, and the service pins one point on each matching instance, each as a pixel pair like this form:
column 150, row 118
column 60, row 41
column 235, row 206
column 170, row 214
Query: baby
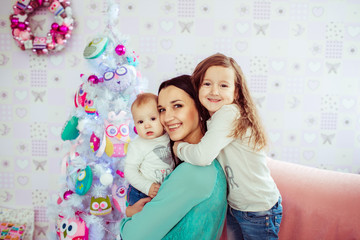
column 148, row 160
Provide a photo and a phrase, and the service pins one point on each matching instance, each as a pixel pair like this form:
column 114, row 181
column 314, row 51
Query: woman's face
column 178, row 115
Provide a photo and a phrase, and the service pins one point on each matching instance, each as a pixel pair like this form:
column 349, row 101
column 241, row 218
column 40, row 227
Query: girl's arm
column 131, row 169
column 215, row 139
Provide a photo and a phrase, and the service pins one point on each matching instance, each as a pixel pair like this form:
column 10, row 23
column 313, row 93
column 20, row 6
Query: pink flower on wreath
column 24, row 35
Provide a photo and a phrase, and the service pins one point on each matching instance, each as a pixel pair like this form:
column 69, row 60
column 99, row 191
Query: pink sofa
column 318, row 204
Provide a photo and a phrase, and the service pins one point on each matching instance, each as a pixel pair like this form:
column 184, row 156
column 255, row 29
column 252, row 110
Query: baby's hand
column 154, row 190
column 175, row 147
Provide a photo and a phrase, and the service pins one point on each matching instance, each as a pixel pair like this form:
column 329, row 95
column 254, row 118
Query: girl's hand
column 175, row 147
column 136, row 207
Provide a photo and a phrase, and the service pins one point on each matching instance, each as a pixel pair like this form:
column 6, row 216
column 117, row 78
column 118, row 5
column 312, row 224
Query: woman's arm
column 185, row 187
column 214, row 140
column 137, row 207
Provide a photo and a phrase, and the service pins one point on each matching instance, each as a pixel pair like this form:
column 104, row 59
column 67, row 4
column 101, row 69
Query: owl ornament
column 119, row 194
column 121, row 78
column 56, row 8
column 116, row 139
column 80, row 96
column 90, row 106
column 100, row 206
column 39, row 43
column 22, row 4
column 84, row 180
column 72, row 229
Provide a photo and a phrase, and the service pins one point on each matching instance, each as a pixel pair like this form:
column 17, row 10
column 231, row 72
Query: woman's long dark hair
column 183, row 82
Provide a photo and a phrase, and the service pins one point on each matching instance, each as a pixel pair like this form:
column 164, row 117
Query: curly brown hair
column 250, row 118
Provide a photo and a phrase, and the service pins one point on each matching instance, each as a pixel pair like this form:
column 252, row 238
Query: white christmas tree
column 92, row 196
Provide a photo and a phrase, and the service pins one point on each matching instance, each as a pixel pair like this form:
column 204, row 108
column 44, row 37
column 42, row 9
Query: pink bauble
column 22, row 26
column 67, row 194
column 93, row 79
column 120, row 50
column 63, row 29
column 120, row 173
column 54, row 26
column 14, row 21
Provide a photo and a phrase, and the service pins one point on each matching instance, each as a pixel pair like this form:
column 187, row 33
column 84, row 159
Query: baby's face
column 147, row 122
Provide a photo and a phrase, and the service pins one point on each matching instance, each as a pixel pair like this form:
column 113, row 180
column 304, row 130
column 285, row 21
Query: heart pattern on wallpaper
column 308, row 155
column 21, row 112
column 348, row 103
column 309, row 137
column 318, row 11
column 56, row 60
column 23, row 180
column 166, row 25
column 313, row 84
column 242, row 27
column 92, row 24
column 274, row 136
column 314, row 66
column 21, row 94
column 56, row 131
column 241, row 46
column 22, row 163
column 277, row 65
column 353, row 31
column 166, row 44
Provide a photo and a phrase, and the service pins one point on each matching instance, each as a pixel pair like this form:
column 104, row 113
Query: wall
column 301, row 60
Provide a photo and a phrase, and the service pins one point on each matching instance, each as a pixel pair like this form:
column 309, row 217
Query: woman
column 191, row 202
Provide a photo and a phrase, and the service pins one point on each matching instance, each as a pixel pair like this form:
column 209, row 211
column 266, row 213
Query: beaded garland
column 60, row 30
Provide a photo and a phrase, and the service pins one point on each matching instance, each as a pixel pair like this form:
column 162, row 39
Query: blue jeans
column 254, row 225
column 134, row 195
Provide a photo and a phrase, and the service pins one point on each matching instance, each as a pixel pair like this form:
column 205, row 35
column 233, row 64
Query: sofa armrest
column 318, row 204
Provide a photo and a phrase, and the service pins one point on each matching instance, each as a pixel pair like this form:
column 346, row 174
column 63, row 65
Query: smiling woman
column 178, row 114
column 191, row 202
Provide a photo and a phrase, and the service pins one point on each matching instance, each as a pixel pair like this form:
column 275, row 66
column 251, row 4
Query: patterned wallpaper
column 301, row 59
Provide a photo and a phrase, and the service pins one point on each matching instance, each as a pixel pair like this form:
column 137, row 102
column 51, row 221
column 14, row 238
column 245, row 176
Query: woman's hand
column 136, row 207
column 175, row 147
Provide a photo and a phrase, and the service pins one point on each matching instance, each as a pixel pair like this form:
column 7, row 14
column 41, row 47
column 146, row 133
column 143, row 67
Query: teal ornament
column 95, row 48
column 84, row 180
column 70, row 131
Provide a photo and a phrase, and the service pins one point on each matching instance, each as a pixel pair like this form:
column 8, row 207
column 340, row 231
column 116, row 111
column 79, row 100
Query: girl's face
column 217, row 88
column 178, row 115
